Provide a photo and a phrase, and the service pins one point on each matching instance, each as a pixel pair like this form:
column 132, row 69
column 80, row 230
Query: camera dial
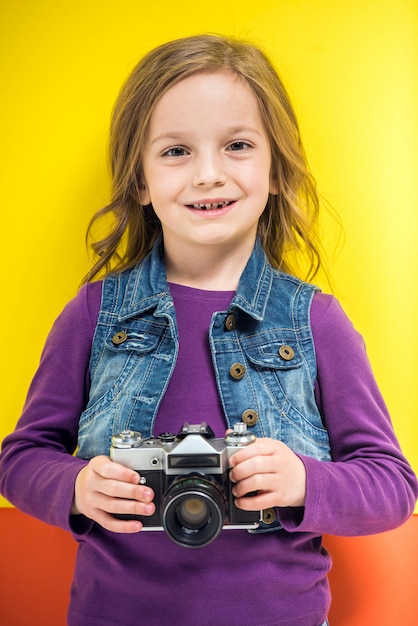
column 127, row 439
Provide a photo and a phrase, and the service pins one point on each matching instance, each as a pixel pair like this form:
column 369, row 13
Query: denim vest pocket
column 267, row 355
column 282, row 382
column 132, row 341
column 125, row 365
column 118, row 363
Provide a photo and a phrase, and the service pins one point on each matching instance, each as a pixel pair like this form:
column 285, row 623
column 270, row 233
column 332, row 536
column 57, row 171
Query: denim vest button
column 119, row 338
column 268, row 516
column 237, row 371
column 230, row 322
column 250, row 417
column 287, row 353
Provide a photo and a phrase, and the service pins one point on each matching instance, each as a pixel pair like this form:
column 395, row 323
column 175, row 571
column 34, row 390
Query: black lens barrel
column 193, row 510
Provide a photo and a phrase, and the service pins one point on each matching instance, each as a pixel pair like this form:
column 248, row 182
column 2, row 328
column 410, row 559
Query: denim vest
column 262, row 349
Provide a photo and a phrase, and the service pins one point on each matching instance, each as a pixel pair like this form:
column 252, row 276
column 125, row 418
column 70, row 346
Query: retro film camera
column 189, row 474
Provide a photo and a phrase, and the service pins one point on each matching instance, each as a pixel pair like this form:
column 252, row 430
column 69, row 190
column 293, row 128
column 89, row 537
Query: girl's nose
column 209, row 171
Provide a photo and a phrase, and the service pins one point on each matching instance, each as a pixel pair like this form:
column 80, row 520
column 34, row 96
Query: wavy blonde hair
column 287, row 227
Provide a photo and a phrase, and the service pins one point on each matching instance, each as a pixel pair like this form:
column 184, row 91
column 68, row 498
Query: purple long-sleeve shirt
column 240, row 579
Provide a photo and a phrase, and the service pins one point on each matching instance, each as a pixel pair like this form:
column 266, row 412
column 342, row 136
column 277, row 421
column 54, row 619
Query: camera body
column 189, row 474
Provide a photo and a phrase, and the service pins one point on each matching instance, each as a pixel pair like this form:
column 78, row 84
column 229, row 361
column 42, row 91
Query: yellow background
column 351, row 69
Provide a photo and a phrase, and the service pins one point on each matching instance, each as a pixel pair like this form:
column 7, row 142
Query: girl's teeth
column 214, row 205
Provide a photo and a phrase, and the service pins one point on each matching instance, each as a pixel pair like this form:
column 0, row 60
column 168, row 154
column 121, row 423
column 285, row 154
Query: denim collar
column 147, row 286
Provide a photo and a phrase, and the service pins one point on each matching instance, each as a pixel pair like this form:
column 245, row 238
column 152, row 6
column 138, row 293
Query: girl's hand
column 271, row 468
column 104, row 487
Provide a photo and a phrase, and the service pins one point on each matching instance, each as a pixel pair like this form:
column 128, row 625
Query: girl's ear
column 274, row 185
column 144, row 196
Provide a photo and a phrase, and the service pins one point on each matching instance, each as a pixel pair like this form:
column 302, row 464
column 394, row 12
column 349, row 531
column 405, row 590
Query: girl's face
column 206, row 164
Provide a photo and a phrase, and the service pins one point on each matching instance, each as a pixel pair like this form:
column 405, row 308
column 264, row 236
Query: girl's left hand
column 271, row 468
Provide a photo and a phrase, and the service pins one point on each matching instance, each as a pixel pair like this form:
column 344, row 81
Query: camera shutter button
column 167, row 437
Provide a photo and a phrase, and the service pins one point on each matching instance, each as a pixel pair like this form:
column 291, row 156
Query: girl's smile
column 212, row 207
column 206, row 166
column 208, row 205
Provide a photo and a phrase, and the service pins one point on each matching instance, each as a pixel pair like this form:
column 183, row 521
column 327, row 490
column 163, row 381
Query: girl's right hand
column 104, row 487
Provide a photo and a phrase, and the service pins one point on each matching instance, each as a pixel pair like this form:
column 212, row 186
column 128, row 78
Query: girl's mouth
column 210, row 206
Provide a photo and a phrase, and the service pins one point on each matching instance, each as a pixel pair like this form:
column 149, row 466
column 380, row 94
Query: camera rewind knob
column 240, row 435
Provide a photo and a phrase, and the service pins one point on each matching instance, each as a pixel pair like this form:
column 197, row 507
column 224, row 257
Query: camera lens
column 193, row 513
column 193, row 510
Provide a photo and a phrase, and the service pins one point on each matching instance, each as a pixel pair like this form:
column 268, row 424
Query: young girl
column 200, row 318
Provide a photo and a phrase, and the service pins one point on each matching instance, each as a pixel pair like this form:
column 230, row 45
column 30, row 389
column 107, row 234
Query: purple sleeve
column 49, row 422
column 369, row 487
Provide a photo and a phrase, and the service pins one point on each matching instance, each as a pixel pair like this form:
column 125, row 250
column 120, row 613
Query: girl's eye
column 177, row 151
column 238, row 145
